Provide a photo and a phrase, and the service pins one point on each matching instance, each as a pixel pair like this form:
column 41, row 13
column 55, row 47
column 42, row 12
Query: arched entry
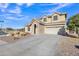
column 35, row 28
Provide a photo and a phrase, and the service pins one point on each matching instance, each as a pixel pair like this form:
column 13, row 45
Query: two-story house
column 52, row 24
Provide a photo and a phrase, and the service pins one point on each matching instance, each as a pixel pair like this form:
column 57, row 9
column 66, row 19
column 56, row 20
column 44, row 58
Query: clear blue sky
column 17, row 15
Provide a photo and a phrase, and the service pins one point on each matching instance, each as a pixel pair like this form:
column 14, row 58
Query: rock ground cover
column 68, row 47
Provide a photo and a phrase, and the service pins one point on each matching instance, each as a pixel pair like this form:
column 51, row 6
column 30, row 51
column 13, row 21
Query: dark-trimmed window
column 28, row 28
column 45, row 20
column 55, row 17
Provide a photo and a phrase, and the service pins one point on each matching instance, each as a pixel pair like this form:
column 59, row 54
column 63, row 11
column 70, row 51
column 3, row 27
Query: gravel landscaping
column 68, row 47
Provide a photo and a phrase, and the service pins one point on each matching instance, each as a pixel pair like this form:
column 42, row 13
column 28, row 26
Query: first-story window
column 28, row 28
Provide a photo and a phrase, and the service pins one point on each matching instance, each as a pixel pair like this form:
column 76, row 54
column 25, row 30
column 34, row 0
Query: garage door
column 51, row 30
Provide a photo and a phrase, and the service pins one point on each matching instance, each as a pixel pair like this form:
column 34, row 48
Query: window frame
column 55, row 17
column 45, row 20
column 28, row 28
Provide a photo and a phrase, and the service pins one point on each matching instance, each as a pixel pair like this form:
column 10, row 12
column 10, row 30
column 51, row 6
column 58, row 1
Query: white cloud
column 20, row 4
column 17, row 10
column 47, row 4
column 58, row 7
column 29, row 4
column 10, row 17
column 3, row 10
column 3, row 6
column 14, row 17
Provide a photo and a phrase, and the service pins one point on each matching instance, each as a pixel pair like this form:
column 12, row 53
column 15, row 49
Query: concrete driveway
column 35, row 45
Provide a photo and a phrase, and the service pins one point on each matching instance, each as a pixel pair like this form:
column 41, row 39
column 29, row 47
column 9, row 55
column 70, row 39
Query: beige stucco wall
column 48, row 20
column 39, row 28
column 61, row 18
column 32, row 27
column 26, row 29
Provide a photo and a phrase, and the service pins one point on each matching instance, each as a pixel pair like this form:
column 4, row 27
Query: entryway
column 35, row 28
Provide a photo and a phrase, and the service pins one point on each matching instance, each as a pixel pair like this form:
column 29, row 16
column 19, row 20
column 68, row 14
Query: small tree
column 74, row 23
column 77, row 25
column 71, row 25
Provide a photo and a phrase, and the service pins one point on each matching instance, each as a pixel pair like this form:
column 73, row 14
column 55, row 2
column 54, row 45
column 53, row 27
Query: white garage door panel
column 51, row 30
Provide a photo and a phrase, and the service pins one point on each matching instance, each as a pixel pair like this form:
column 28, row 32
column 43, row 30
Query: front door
column 35, row 28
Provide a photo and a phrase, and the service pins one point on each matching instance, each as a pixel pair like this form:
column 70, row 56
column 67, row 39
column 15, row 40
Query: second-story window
column 55, row 17
column 45, row 20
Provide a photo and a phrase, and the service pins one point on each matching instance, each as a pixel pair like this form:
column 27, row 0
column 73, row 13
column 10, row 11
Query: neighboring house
column 53, row 24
